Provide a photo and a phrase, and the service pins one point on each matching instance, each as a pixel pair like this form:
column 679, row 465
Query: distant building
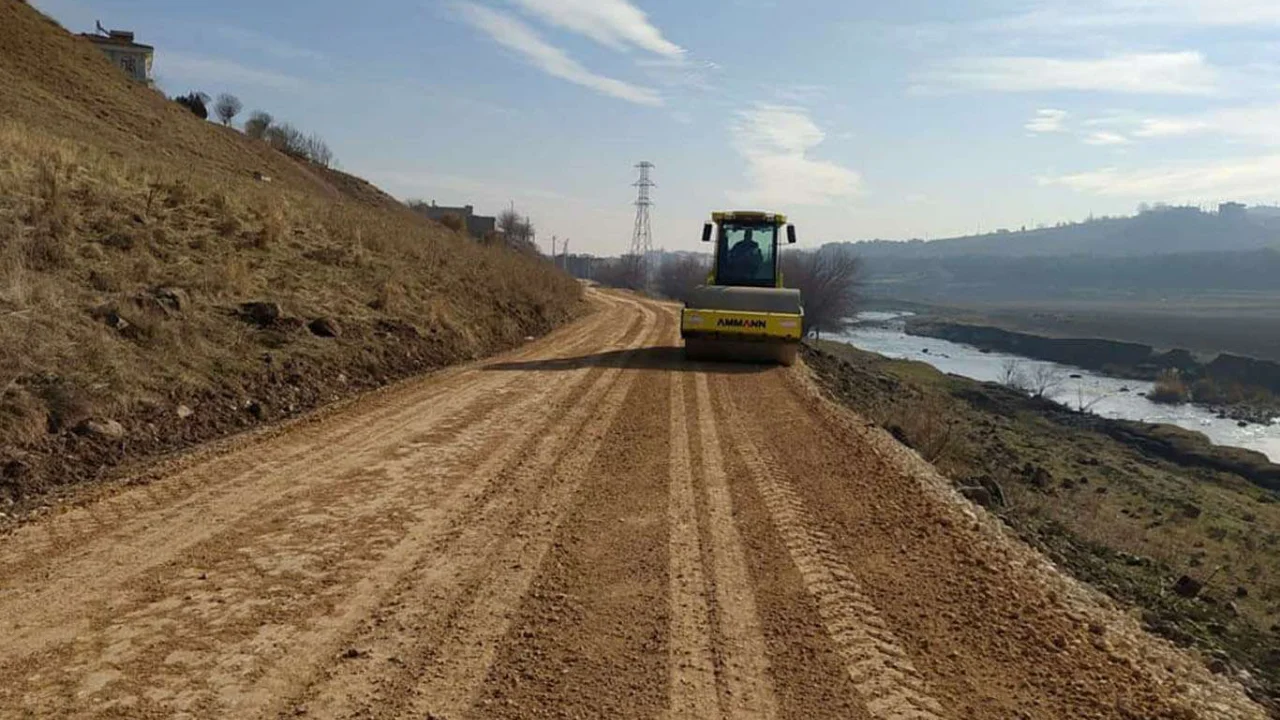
column 477, row 225
column 119, row 47
column 1232, row 211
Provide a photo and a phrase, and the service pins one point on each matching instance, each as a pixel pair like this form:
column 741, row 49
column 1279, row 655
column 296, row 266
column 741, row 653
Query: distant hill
column 985, row 278
column 1160, row 231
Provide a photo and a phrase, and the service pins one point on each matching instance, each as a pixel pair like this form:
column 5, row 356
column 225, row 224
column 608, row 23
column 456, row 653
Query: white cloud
column 1251, row 178
column 1171, row 73
column 1047, row 120
column 776, row 140
column 1057, row 17
column 1106, row 137
column 1260, row 124
column 199, row 68
column 615, row 23
column 515, row 35
column 1168, row 127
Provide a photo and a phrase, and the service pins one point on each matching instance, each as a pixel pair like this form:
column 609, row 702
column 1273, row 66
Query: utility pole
column 642, row 235
column 564, row 253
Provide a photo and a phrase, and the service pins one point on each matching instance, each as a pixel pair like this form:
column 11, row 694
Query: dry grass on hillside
column 120, row 284
column 132, row 232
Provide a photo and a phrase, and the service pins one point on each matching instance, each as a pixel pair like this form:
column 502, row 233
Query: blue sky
column 859, row 119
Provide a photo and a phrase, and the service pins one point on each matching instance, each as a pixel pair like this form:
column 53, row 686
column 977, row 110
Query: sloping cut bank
column 165, row 281
column 1153, row 515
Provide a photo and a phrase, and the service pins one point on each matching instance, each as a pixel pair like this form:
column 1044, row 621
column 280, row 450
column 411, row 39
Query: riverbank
column 1183, row 532
column 1241, row 388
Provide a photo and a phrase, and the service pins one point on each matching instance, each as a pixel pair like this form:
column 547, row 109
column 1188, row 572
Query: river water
column 883, row 333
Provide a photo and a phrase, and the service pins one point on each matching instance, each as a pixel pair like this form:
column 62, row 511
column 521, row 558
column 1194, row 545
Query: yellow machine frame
column 738, row 331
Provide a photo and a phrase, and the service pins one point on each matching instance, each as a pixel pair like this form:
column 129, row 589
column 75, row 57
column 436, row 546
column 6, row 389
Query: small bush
column 195, row 101
column 1206, row 391
column 275, row 226
column 1169, row 389
column 291, row 141
column 454, row 223
column 257, row 125
column 927, row 425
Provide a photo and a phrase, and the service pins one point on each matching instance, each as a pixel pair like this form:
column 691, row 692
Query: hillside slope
column 153, row 293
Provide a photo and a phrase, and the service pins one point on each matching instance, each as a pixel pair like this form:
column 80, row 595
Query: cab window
column 746, row 254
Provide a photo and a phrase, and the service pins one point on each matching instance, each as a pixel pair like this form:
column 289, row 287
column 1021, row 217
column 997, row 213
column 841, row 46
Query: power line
column 642, row 235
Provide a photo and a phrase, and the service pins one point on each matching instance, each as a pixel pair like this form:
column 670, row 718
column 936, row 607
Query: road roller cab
column 744, row 313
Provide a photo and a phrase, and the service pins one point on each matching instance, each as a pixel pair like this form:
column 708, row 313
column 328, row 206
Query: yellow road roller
column 743, row 313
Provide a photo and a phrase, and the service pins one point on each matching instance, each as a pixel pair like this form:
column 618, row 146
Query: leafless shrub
column 227, row 108
column 287, row 139
column 258, row 124
column 618, row 273
column 1012, row 375
column 828, row 283
column 1042, row 381
column 517, row 231
column 1045, row 380
column 317, row 150
column 677, row 277
column 927, row 425
column 1086, row 404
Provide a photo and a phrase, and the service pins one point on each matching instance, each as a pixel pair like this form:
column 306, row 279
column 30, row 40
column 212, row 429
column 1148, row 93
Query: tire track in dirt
column 995, row 628
column 742, row 661
column 184, row 498
column 366, row 591
column 385, row 408
column 552, row 537
column 880, row 670
column 588, row 639
column 136, row 554
column 692, row 693
column 366, row 526
column 472, row 646
column 451, row 596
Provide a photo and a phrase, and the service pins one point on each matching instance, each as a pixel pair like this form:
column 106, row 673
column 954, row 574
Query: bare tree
column 227, row 108
column 828, row 283
column 621, row 272
column 517, row 230
column 317, row 150
column 258, row 124
column 1045, row 380
column 1012, row 376
column 287, row 139
column 1085, row 404
column 677, row 277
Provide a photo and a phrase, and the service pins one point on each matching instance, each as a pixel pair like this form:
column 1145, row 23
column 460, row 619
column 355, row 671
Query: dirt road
column 585, row 528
